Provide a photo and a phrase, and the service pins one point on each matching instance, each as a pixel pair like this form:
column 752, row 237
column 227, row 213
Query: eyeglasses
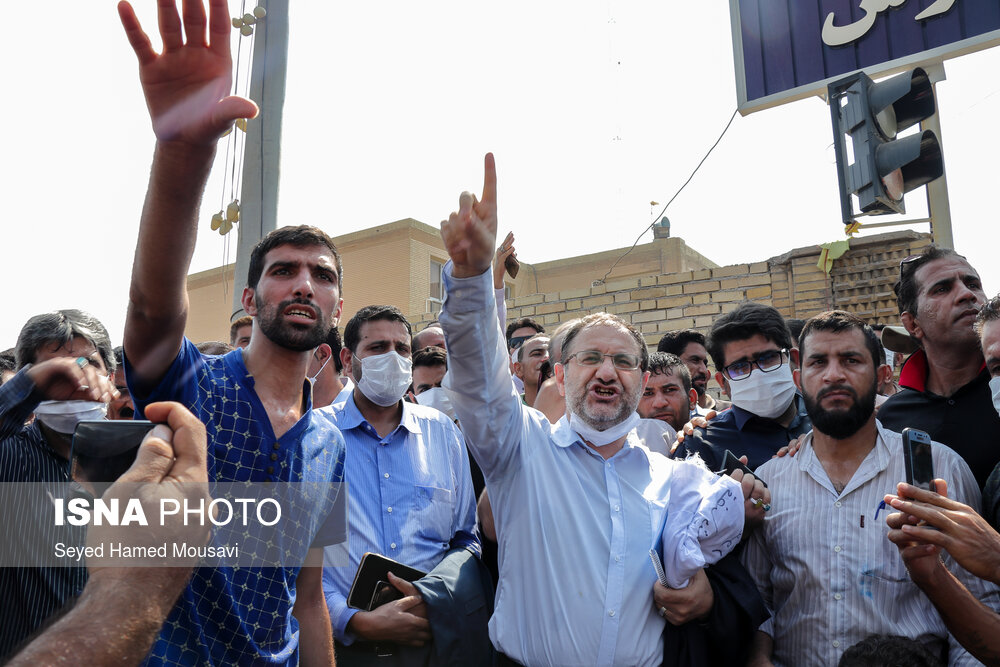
column 622, row 361
column 766, row 361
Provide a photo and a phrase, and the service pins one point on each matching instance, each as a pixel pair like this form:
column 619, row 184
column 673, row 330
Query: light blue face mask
column 63, row 416
column 607, row 436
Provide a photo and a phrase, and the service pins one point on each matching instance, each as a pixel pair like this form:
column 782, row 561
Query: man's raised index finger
column 490, row 180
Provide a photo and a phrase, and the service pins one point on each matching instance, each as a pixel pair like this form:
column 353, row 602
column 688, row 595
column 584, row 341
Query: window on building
column 436, row 297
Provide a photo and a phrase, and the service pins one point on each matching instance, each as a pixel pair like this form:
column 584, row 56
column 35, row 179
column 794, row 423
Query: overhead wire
column 665, row 206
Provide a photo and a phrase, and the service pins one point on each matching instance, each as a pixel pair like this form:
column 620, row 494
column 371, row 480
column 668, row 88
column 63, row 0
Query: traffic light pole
column 938, row 207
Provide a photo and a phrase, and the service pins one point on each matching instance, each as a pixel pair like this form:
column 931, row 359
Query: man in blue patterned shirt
column 255, row 402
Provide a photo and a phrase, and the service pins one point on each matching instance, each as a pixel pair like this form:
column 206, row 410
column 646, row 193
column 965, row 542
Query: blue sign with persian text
column 789, row 49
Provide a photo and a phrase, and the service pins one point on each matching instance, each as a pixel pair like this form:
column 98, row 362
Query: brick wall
column 860, row 281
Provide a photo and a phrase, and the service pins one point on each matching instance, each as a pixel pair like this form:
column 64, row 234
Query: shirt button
column 618, row 559
column 837, row 504
column 618, row 508
column 386, row 475
column 836, row 643
column 274, row 456
column 951, row 401
column 837, row 596
column 837, row 548
column 611, row 612
column 392, row 546
column 277, row 445
column 270, row 470
column 390, row 511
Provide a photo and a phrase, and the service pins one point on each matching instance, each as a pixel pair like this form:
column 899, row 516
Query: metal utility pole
column 262, row 154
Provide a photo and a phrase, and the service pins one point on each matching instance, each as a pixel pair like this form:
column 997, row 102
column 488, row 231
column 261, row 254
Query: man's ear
column 247, row 301
column 340, row 311
column 721, row 379
column 519, row 369
column 320, row 355
column 692, row 398
column 911, row 324
column 797, row 378
column 559, row 372
column 645, row 381
column 346, row 358
column 793, row 356
column 883, row 374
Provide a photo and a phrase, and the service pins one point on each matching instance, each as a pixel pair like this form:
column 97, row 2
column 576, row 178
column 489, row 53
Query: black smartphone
column 732, row 463
column 102, row 450
column 918, row 460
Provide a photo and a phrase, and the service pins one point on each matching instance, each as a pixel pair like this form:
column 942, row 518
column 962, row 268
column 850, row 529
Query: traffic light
column 869, row 115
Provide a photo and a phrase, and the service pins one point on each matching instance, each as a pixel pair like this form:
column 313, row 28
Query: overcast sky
column 593, row 109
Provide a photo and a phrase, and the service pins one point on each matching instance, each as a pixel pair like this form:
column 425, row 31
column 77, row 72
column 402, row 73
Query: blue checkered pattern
column 230, row 616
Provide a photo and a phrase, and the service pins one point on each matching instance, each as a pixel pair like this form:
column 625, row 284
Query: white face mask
column 436, row 397
column 607, row 436
column 995, row 388
column 766, row 395
column 63, row 416
column 385, row 378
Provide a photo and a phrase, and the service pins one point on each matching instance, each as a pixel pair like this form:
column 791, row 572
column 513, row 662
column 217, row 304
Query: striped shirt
column 825, row 565
column 30, row 595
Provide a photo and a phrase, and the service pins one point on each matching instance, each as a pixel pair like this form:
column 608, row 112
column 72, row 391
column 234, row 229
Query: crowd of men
column 536, row 480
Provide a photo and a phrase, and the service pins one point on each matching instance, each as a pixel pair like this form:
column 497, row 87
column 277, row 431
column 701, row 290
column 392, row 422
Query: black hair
column 746, row 321
column 302, row 236
column 988, row 313
column 430, row 356
column 675, row 342
column 835, row 321
column 664, row 363
column 906, row 288
column 60, row 327
column 521, row 323
column 352, row 334
column 889, row 651
column 336, row 344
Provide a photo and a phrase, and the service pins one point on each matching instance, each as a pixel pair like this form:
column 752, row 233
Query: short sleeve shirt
column 244, row 615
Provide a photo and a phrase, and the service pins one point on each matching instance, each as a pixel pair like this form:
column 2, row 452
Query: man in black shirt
column 945, row 385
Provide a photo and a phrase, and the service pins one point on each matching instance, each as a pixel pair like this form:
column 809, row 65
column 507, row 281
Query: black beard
column 288, row 336
column 840, row 424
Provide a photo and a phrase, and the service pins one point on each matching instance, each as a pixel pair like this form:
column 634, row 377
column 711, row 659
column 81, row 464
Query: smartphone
column 918, row 460
column 512, row 266
column 731, row 463
column 102, row 450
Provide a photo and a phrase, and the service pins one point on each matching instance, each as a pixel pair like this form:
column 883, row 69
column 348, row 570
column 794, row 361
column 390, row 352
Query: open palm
column 187, row 86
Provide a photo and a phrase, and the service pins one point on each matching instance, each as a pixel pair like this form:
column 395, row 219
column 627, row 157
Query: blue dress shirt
column 410, row 497
column 576, row 582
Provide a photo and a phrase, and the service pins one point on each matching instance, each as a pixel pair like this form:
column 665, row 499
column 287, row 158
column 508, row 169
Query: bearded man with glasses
column 751, row 348
column 577, row 504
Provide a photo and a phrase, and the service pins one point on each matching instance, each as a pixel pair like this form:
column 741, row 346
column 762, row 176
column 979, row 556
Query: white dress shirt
column 576, row 581
column 826, row 567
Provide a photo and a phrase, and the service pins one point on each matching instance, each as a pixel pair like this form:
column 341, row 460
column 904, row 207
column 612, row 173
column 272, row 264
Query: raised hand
column 187, row 86
column 470, row 233
column 65, row 378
